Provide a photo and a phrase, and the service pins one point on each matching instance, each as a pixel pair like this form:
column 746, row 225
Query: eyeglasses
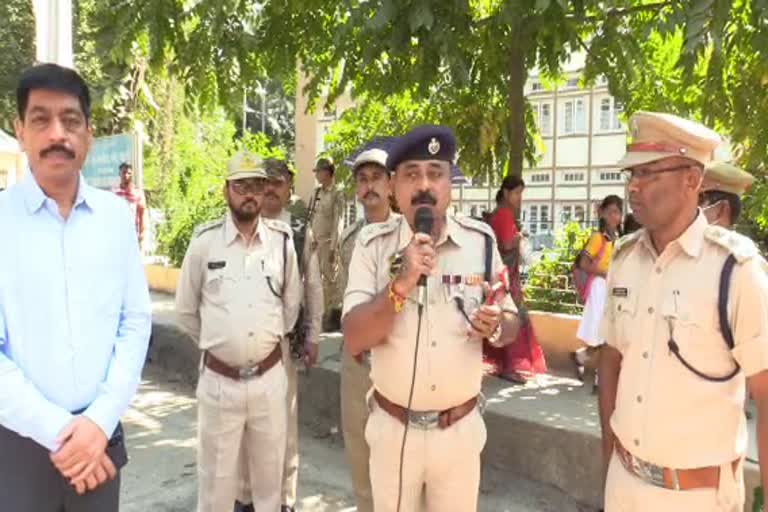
column 248, row 186
column 644, row 174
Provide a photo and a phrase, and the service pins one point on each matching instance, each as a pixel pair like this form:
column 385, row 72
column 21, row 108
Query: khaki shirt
column 347, row 245
column 664, row 413
column 223, row 298
column 449, row 369
column 328, row 206
column 313, row 284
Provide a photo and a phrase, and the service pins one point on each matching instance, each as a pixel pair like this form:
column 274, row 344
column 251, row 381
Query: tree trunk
column 516, row 101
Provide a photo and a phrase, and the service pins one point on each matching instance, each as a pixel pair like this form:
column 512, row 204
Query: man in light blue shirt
column 75, row 314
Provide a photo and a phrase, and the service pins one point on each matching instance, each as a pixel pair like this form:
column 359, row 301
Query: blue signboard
column 102, row 167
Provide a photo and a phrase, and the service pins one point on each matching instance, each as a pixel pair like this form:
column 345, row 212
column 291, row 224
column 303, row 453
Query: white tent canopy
column 8, row 144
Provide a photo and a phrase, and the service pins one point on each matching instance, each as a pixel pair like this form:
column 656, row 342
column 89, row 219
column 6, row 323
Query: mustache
column 271, row 194
column 57, row 147
column 423, row 197
column 371, row 194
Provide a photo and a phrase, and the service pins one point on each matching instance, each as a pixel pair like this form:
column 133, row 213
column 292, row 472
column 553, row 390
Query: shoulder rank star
column 395, row 264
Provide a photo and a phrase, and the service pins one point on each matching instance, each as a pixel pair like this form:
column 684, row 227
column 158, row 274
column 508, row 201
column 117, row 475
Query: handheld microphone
column 423, row 221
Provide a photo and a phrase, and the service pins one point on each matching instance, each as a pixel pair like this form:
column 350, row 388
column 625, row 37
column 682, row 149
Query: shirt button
column 434, row 387
column 250, row 306
column 639, row 399
column 658, row 270
column 637, row 442
column 250, row 334
column 645, row 355
column 618, row 308
column 434, row 343
column 650, row 311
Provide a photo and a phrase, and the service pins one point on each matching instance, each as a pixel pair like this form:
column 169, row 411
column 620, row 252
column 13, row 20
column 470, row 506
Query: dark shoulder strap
column 722, row 300
column 285, row 258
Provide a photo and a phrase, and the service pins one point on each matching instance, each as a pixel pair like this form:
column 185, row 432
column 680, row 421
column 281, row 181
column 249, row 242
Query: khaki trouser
column 231, row 413
column 443, row 463
column 328, row 274
column 624, row 492
column 291, row 464
column 355, row 383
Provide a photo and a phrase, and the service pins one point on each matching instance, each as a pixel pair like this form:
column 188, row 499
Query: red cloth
column 136, row 202
column 503, row 224
column 524, row 354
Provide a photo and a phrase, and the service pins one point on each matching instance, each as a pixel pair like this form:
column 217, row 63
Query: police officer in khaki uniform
column 443, row 429
column 672, row 388
column 373, row 191
column 277, row 201
column 327, row 207
column 721, row 191
column 238, row 296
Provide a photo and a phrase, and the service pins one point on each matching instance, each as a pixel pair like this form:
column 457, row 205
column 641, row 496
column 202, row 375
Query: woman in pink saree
column 522, row 359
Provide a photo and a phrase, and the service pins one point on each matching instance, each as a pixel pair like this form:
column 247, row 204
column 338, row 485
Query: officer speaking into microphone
column 417, row 299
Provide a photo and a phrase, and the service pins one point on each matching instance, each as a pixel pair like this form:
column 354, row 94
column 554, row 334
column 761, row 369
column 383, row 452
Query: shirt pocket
column 216, row 287
column 625, row 321
column 693, row 324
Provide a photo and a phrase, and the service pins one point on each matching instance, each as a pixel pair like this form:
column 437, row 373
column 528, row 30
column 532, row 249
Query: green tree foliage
column 707, row 62
column 549, row 287
column 17, row 52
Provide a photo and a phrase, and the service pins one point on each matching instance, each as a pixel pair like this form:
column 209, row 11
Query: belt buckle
column 248, row 373
column 650, row 473
column 424, row 420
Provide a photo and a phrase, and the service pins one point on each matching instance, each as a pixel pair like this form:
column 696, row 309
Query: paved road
column 161, row 429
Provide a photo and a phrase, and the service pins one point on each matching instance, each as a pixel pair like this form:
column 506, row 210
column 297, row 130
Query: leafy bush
column 549, row 287
column 193, row 192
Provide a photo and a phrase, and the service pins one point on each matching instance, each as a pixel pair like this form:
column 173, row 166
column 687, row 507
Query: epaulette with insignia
column 351, row 230
column 742, row 247
column 372, row 231
column 475, row 225
column 202, row 228
column 278, row 225
column 627, row 241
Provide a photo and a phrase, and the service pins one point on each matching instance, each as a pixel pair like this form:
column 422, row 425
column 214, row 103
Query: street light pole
column 245, row 110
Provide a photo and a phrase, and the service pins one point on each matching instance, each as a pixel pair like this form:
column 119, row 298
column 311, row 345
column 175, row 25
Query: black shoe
column 286, row 508
column 239, row 507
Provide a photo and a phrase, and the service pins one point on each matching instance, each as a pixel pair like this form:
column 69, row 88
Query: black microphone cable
column 408, row 409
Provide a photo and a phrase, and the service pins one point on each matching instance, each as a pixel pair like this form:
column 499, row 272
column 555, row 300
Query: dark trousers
column 29, row 482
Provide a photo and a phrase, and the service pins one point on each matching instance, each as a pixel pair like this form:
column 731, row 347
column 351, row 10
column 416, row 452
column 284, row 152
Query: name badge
column 620, row 292
column 215, row 265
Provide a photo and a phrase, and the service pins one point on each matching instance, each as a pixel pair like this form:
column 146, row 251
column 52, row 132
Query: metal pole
column 264, row 111
column 245, row 109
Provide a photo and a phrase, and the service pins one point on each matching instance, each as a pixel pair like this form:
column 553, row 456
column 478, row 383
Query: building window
column 567, row 214
column 574, row 119
column 610, row 110
column 544, row 223
column 573, row 177
column 572, row 83
column 539, row 178
column 533, row 218
column 610, row 176
column 544, row 117
column 579, row 213
column 536, row 86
